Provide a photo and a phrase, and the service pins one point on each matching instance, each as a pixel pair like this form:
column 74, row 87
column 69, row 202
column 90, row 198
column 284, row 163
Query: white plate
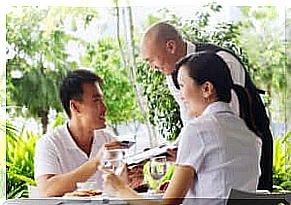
column 98, row 197
column 148, row 195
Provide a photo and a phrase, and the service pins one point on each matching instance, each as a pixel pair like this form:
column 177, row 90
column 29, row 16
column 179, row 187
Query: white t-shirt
column 237, row 74
column 57, row 153
column 223, row 152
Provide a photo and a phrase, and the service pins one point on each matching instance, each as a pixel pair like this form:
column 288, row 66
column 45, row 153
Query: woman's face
column 193, row 94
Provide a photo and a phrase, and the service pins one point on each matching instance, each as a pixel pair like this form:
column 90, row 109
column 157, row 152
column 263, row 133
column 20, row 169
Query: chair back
column 237, row 197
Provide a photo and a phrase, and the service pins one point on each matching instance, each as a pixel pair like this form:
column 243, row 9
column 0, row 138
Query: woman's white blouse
column 223, row 152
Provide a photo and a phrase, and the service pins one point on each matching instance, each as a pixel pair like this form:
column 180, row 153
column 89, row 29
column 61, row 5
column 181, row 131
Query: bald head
column 162, row 46
column 162, row 32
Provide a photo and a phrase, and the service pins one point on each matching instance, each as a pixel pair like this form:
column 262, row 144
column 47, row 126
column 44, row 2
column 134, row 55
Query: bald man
column 162, row 46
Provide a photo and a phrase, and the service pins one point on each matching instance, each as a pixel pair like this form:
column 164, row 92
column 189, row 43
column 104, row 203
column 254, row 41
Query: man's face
column 158, row 56
column 92, row 109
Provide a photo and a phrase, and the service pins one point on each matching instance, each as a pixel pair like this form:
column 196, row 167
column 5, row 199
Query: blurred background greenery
column 44, row 43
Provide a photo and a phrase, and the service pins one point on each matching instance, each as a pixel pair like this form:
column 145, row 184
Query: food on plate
column 164, row 186
column 142, row 188
column 84, row 193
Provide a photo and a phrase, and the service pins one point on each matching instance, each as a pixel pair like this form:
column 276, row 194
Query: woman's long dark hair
column 208, row 66
column 245, row 107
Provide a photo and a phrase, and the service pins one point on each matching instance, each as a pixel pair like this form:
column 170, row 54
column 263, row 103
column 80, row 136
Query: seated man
column 70, row 153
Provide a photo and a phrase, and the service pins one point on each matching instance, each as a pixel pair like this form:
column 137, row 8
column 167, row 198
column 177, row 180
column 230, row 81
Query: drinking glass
column 158, row 168
column 112, row 160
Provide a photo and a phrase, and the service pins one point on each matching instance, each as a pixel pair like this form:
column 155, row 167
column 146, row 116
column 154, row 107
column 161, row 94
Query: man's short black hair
column 71, row 86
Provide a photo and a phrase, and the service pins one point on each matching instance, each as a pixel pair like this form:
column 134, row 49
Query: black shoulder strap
column 211, row 47
column 206, row 47
column 215, row 48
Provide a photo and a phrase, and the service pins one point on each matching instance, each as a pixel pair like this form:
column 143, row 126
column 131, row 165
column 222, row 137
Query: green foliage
column 268, row 56
column 37, row 48
column 2, row 88
column 59, row 120
column 288, row 66
column 42, row 85
column 2, row 160
column 282, row 163
column 269, row 65
column 164, row 112
column 198, row 29
column 119, row 95
column 19, row 162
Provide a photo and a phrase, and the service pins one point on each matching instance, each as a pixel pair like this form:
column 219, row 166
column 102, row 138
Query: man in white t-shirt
column 163, row 46
column 70, row 153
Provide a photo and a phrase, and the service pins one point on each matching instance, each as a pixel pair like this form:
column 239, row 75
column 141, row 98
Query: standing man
column 70, row 153
column 163, row 46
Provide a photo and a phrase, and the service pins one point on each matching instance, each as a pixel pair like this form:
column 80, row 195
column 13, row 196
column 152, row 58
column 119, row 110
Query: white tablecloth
column 79, row 200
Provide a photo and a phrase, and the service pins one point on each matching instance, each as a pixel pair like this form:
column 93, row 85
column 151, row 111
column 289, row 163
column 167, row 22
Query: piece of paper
column 146, row 155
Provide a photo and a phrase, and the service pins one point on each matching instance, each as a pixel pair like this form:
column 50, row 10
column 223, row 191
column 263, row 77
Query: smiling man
column 70, row 153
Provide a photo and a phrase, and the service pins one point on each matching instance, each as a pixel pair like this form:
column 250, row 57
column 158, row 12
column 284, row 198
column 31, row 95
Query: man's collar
column 68, row 138
column 191, row 48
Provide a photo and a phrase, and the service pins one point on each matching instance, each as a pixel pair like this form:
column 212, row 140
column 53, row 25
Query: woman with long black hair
column 218, row 150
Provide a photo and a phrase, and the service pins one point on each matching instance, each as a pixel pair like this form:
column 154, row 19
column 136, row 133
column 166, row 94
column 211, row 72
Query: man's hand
column 115, row 145
column 59, row 184
column 171, row 155
column 98, row 157
column 135, row 175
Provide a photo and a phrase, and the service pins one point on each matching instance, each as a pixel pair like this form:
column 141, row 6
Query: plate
column 149, row 195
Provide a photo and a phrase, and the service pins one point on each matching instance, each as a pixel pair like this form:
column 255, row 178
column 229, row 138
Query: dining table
column 96, row 200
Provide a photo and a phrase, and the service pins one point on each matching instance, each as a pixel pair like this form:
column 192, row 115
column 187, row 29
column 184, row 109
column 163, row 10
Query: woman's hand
column 118, row 187
column 114, row 182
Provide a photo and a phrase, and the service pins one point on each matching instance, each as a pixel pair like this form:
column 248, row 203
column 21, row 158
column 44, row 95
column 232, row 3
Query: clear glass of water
column 112, row 160
column 158, row 168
